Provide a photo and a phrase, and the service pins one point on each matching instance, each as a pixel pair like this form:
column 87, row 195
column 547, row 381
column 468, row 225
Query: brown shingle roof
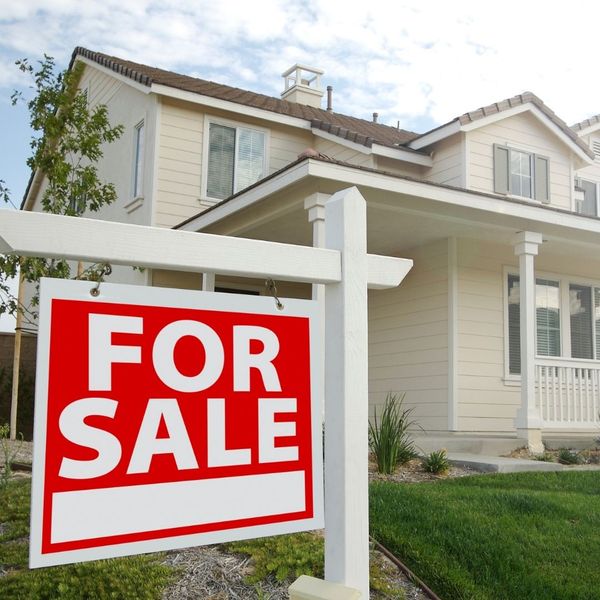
column 359, row 130
column 518, row 100
column 586, row 123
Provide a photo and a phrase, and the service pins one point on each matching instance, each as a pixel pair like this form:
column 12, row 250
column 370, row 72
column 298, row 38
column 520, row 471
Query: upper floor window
column 236, row 159
column 521, row 173
column 586, row 202
column 138, row 163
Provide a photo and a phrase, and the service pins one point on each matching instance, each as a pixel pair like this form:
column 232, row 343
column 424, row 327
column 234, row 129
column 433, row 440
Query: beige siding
column 521, row 132
column 485, row 403
column 389, row 165
column 447, row 162
column 101, row 88
column 408, row 339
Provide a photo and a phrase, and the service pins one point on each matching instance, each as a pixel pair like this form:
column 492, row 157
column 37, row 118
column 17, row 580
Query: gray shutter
column 541, row 179
column 501, row 169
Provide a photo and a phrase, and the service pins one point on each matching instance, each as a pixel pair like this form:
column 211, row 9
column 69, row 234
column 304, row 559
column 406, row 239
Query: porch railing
column 568, row 392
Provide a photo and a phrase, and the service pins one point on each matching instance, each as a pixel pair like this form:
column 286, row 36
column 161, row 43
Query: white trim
column 436, row 135
column 466, row 158
column 403, row 155
column 153, row 196
column 239, row 109
column 452, row 335
column 134, row 174
column 106, row 71
column 587, row 130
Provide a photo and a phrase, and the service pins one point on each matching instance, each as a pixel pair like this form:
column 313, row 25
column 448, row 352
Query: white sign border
column 170, row 297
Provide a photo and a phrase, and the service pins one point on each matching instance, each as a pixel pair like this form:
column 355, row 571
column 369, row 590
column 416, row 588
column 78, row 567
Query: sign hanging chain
column 272, row 289
column 105, row 271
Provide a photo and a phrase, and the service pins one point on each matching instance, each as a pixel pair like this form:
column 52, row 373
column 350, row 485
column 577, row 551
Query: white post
column 208, row 282
column 346, row 400
column 315, row 205
column 528, row 421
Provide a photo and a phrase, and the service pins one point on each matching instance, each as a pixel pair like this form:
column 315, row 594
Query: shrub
column 569, row 457
column 388, row 438
column 544, row 457
column 436, row 462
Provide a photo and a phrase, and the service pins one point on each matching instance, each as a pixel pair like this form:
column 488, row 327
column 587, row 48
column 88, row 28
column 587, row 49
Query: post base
column 311, row 588
column 532, row 439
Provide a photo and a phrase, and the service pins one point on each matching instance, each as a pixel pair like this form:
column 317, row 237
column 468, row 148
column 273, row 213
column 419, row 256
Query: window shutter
column 589, row 197
column 138, row 188
column 541, row 175
column 514, row 326
column 580, row 301
column 221, row 154
column 500, row 169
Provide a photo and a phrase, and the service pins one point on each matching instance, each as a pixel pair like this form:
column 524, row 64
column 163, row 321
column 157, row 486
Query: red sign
column 167, row 418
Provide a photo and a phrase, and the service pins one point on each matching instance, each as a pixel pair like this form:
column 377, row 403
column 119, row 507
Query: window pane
column 520, row 173
column 514, row 329
column 250, row 158
column 580, row 308
column 547, row 310
column 221, row 152
column 588, row 207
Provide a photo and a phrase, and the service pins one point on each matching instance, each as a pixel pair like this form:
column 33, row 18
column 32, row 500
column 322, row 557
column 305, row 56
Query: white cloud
column 416, row 61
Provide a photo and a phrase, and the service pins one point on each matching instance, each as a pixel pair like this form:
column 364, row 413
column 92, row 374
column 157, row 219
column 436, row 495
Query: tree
column 66, row 145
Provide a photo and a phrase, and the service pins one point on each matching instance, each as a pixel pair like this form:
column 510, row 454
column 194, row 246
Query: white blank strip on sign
column 89, row 514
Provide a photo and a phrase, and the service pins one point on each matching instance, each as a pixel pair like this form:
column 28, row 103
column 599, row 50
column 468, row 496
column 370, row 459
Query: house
column 498, row 207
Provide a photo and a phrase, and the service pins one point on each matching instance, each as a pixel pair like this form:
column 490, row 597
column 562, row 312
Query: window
column 588, row 204
column 138, row 163
column 236, row 159
column 582, row 339
column 521, row 173
column 547, row 316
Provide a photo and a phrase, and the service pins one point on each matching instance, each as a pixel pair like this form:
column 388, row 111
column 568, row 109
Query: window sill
column 512, row 381
column 134, row 204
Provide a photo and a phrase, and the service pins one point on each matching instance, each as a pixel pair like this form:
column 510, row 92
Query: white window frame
column 137, row 184
column 565, row 316
column 208, row 119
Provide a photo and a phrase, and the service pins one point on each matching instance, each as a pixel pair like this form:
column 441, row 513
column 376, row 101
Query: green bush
column 569, row 457
column 436, row 462
column 389, row 439
column 544, row 457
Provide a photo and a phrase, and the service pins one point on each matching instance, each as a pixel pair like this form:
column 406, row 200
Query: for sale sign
column 167, row 418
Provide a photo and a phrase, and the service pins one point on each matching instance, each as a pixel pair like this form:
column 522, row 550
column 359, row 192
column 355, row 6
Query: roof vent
column 303, row 85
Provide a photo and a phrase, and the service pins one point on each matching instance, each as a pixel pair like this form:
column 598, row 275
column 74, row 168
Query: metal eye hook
column 272, row 289
column 106, row 270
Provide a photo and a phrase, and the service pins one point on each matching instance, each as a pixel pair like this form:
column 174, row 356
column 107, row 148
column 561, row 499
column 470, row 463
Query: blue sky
column 418, row 62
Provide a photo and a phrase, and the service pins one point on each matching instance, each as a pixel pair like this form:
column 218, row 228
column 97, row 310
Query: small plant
column 436, row 462
column 389, row 439
column 9, row 451
column 569, row 457
column 544, row 457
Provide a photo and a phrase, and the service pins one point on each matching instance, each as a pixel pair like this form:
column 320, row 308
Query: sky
column 418, row 62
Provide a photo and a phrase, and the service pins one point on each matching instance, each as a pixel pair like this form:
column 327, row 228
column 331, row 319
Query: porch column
column 528, row 421
column 315, row 205
column 208, row 282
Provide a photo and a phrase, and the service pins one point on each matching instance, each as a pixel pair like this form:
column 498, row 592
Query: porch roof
column 402, row 212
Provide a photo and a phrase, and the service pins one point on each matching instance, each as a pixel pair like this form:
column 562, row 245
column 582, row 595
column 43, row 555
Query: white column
column 315, row 205
column 346, row 397
column 528, row 421
column 208, row 282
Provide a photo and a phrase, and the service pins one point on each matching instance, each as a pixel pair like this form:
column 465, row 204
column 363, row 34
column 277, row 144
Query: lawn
column 140, row 577
column 533, row 536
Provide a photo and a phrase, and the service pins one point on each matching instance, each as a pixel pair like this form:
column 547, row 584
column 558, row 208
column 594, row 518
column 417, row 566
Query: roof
column 352, row 128
column 514, row 101
column 591, row 122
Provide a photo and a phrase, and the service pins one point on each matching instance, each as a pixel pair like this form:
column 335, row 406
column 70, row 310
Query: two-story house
column 497, row 208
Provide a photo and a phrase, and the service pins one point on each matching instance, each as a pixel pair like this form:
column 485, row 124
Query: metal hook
column 272, row 289
column 106, row 270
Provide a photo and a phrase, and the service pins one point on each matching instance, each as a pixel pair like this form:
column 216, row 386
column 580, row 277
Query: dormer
column 303, row 85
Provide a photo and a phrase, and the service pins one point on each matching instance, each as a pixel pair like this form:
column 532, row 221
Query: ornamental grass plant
column 389, row 438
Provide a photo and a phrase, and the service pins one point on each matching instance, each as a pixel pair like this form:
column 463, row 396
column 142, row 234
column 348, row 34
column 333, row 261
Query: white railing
column 568, row 392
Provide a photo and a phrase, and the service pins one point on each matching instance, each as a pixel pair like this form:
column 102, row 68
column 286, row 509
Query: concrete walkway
column 501, row 464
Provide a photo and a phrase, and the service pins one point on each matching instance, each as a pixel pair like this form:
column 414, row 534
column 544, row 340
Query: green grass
column 140, row 577
column 533, row 536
